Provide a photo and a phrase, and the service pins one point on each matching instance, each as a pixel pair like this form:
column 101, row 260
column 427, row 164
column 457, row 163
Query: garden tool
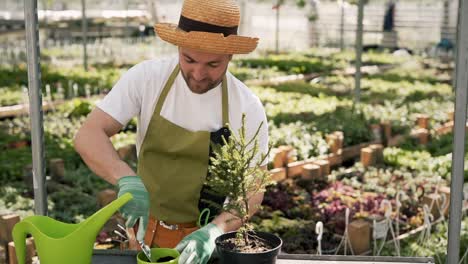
column 59, row 242
column 145, row 250
column 121, row 235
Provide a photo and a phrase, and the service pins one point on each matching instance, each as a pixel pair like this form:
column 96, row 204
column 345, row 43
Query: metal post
column 127, row 25
column 357, row 85
column 35, row 106
column 458, row 156
column 444, row 31
column 46, row 31
column 277, row 26
column 342, row 25
column 244, row 17
column 84, row 29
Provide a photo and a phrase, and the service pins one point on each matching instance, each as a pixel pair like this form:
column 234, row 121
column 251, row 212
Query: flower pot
column 311, row 172
column 387, row 130
column 378, row 150
column 7, row 222
column 294, row 168
column 360, row 236
column 324, row 168
column 367, row 157
column 376, row 131
column 57, row 169
column 157, row 254
column 423, row 121
column 335, row 141
column 351, row 152
column 421, row 134
column 278, row 174
column 227, row 256
column 283, row 156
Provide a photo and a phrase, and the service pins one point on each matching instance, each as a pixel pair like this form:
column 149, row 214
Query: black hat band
column 188, row 25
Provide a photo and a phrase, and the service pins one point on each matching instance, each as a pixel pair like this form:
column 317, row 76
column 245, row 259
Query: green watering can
column 58, row 242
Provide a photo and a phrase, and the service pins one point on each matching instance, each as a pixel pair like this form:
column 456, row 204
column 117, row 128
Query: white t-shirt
column 138, row 90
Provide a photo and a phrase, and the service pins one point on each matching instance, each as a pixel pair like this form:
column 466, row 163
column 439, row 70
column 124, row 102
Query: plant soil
column 164, row 259
column 255, row 246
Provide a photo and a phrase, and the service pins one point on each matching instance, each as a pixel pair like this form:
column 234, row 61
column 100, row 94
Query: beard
column 203, row 86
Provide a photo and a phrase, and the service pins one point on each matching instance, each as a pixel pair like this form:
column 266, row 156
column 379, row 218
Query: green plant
column 435, row 246
column 292, row 64
column 234, row 176
column 10, row 96
column 422, row 162
column 245, row 73
column 353, row 123
column 301, row 136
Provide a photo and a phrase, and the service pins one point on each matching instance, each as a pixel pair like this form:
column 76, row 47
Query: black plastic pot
column 268, row 257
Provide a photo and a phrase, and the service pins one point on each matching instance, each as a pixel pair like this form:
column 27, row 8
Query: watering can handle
column 19, row 238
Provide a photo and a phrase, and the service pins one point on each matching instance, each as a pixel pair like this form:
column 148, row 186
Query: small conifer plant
column 237, row 175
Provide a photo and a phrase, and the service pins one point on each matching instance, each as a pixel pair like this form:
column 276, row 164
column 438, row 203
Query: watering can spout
column 58, row 242
column 94, row 223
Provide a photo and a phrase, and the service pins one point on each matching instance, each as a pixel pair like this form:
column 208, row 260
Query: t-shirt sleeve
column 255, row 115
column 123, row 102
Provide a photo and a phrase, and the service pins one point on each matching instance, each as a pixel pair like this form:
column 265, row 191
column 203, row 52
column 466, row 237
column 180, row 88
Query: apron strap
column 166, row 89
column 225, row 104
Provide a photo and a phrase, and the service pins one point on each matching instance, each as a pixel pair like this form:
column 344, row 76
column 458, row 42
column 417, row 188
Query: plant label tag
column 380, row 229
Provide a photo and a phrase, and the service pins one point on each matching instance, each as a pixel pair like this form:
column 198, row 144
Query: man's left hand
column 199, row 245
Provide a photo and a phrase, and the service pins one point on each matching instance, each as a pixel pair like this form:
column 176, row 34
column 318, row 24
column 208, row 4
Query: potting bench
column 129, row 257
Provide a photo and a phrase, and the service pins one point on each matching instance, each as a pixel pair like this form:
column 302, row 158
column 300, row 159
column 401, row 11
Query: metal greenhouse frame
column 456, row 199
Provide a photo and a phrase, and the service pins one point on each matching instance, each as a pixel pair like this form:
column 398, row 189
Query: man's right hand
column 138, row 207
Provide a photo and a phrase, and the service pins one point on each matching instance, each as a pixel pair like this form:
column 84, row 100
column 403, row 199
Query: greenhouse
column 233, row 131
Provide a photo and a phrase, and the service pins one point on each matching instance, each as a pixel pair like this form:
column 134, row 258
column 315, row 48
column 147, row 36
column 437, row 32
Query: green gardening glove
column 138, row 207
column 199, row 245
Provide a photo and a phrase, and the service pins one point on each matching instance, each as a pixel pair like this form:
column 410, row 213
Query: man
column 182, row 105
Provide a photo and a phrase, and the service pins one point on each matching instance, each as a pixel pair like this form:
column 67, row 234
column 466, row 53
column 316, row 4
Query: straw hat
column 209, row 26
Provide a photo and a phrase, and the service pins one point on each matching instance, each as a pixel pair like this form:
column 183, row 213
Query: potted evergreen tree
column 235, row 174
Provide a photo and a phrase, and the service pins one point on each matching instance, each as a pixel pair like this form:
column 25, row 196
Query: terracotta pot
column 423, row 121
column 378, row 150
column 294, row 168
column 311, row 172
column 278, row 174
column 324, row 168
column 57, row 169
column 367, row 157
column 359, row 232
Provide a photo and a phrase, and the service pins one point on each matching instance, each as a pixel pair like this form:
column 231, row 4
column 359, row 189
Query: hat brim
column 205, row 41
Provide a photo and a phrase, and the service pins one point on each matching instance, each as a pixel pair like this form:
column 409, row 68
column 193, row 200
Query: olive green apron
column 173, row 162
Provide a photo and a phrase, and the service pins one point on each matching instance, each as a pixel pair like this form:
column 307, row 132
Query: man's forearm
column 228, row 222
column 99, row 154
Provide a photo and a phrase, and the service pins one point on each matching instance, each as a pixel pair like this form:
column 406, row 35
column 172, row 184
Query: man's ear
column 230, row 57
